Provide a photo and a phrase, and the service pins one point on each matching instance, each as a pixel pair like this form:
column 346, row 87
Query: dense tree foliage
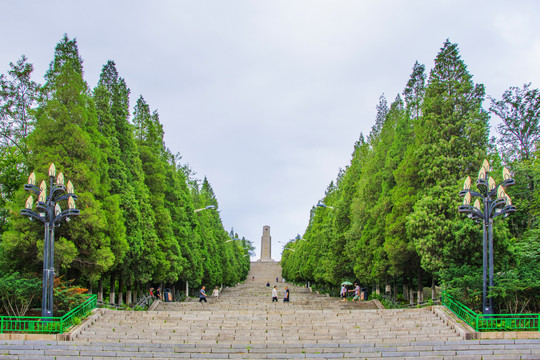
column 391, row 216
column 138, row 226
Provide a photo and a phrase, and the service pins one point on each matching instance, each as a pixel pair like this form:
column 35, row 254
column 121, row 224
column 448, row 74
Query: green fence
column 35, row 324
column 492, row 322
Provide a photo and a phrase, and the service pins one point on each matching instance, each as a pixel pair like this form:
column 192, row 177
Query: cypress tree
column 165, row 257
column 451, row 141
column 67, row 134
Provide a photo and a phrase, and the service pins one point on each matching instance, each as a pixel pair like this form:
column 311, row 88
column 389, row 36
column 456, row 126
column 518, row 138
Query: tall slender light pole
column 209, row 207
column 492, row 201
column 50, row 214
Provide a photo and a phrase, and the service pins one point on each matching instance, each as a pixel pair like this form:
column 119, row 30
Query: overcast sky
column 266, row 98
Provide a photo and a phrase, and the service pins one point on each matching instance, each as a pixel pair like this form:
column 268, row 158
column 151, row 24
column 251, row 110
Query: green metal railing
column 492, row 322
column 36, row 324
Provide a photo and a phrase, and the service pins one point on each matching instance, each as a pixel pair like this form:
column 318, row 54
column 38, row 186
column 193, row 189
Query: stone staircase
column 244, row 323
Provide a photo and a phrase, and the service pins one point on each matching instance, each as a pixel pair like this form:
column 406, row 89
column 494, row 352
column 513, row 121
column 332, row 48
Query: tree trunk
column 129, row 299
column 433, row 287
column 405, row 289
column 135, row 298
column 411, row 291
column 377, row 289
column 111, row 293
column 120, row 290
column 90, row 288
column 420, row 287
column 395, row 289
column 100, row 290
column 187, row 289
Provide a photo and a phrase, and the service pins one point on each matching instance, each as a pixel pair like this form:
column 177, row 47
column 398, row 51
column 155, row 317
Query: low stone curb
column 76, row 330
column 378, row 303
column 454, row 322
column 154, row 305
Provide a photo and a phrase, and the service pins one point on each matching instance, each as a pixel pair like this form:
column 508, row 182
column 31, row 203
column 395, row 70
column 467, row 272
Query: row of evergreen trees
column 137, row 224
column 394, row 219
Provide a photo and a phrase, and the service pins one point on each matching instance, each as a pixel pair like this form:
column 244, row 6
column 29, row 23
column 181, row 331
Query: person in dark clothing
column 158, row 293
column 202, row 295
column 286, row 298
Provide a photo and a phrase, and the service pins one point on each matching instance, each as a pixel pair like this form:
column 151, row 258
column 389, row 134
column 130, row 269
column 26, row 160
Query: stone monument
column 266, row 245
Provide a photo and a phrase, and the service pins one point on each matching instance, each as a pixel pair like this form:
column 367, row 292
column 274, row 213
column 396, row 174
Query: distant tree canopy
column 394, row 218
column 138, row 223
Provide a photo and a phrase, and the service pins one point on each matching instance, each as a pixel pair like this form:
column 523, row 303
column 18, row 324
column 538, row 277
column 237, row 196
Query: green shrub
column 18, row 293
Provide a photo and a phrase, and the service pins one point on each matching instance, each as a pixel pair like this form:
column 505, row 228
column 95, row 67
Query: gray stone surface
column 243, row 324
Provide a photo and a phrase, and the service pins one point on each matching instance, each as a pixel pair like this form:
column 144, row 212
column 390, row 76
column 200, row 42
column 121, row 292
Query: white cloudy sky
column 267, row 98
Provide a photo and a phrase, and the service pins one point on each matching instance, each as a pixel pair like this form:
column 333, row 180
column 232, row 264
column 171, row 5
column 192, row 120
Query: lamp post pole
column 209, row 207
column 50, row 214
column 495, row 202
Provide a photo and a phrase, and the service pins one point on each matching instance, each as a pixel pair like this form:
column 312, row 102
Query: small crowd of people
column 156, row 294
column 343, row 293
column 203, row 296
column 215, row 293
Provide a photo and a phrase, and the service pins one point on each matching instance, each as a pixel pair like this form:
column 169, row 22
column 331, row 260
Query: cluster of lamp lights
column 51, row 215
column 492, row 201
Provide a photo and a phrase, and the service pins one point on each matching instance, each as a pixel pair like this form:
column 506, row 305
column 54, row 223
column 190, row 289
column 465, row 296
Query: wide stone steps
column 440, row 350
column 278, row 327
column 243, row 323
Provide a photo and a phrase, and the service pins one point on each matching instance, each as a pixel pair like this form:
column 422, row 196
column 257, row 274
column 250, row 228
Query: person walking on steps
column 356, row 292
column 202, row 295
column 215, row 293
column 286, row 298
column 274, row 294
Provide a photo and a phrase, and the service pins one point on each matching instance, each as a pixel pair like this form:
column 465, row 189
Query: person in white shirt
column 215, row 293
column 274, row 294
column 343, row 293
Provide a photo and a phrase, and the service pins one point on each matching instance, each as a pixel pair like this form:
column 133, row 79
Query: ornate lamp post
column 492, row 201
column 50, row 214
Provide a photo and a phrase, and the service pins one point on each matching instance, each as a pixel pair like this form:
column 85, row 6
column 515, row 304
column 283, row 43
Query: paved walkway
column 243, row 323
